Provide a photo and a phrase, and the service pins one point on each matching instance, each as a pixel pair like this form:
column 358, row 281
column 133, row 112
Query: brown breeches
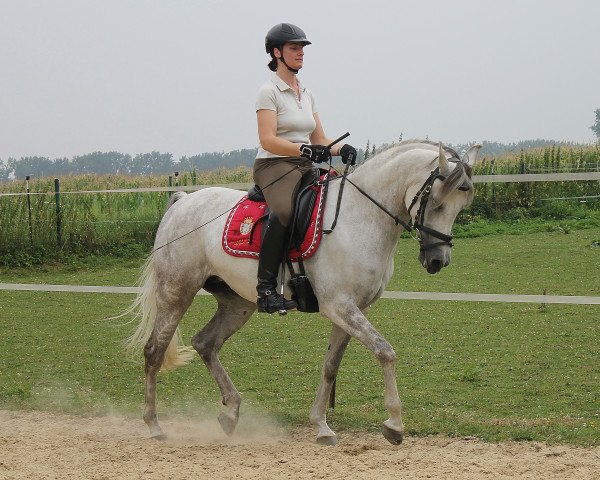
column 279, row 179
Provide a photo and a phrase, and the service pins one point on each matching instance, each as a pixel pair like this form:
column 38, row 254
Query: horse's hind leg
column 232, row 313
column 338, row 341
column 168, row 317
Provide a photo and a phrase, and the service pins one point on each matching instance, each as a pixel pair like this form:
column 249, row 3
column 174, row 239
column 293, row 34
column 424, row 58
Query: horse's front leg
column 350, row 319
column 338, row 341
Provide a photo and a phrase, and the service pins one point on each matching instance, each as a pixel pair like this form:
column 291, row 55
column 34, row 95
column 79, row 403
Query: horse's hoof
column 157, row 434
column 228, row 424
column 393, row 436
column 327, row 440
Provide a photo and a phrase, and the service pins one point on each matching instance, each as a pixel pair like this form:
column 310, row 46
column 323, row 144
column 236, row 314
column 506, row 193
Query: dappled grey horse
column 414, row 182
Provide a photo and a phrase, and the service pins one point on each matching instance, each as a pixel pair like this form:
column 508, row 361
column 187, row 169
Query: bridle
column 419, row 222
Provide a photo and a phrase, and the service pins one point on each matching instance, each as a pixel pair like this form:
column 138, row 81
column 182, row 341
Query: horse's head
column 434, row 207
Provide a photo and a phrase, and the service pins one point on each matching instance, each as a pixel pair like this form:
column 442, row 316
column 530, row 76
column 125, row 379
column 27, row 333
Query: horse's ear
column 444, row 167
column 470, row 156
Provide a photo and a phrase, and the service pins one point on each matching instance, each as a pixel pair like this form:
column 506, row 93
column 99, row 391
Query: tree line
column 164, row 163
column 122, row 163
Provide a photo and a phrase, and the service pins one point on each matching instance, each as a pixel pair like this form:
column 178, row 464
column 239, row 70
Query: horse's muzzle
column 435, row 259
column 434, row 266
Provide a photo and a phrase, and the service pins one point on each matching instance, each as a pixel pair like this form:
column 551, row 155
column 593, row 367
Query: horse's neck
column 387, row 181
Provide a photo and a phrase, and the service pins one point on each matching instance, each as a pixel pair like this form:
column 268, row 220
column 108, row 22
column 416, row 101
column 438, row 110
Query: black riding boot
column 269, row 262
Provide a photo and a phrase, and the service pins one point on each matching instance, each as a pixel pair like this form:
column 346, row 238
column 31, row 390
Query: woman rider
column 291, row 139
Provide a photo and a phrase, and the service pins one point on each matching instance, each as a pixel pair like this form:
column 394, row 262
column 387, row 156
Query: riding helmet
column 284, row 33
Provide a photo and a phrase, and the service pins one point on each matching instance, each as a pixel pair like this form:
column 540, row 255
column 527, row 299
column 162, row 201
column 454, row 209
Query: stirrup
column 270, row 302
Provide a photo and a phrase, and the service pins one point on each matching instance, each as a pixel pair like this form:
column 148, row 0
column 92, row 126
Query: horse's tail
column 144, row 307
column 174, row 197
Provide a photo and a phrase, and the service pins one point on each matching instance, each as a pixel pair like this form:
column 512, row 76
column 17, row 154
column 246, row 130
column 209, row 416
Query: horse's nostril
column 436, row 264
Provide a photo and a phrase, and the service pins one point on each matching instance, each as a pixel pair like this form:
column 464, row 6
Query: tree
column 152, row 163
column 596, row 127
column 367, row 150
column 101, row 162
column 38, row 166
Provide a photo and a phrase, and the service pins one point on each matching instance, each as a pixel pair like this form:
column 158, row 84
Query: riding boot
column 269, row 261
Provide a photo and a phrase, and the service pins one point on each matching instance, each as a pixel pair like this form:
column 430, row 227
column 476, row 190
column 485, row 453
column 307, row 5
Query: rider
column 291, row 139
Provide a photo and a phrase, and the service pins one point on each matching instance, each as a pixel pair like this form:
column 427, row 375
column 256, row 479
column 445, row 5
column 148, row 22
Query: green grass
column 496, row 371
column 557, row 262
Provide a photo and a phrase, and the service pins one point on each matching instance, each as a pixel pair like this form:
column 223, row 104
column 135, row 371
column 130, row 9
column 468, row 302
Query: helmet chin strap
column 293, row 70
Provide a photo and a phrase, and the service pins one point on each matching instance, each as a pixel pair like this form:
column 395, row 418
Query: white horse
column 414, row 181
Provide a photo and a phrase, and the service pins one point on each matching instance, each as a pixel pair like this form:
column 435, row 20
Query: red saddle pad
column 243, row 229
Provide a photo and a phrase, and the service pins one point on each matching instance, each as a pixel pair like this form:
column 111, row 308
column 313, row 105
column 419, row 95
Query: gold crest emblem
column 246, row 226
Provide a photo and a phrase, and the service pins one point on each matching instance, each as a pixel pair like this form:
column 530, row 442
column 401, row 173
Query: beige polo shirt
column 295, row 120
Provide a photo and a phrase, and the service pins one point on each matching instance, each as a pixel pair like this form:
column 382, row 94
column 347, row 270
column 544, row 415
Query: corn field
column 108, row 222
column 517, row 200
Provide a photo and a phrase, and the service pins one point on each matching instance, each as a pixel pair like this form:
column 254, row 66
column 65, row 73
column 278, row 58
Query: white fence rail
column 436, row 296
column 516, row 178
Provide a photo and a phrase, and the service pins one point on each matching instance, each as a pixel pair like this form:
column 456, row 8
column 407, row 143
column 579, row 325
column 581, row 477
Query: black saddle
column 303, row 205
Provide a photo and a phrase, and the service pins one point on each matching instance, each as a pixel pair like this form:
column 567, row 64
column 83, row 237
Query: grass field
column 496, row 371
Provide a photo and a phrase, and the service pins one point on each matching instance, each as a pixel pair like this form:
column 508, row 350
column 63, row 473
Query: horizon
column 507, row 145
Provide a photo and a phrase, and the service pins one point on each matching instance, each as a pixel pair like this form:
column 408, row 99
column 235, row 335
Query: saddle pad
column 243, row 230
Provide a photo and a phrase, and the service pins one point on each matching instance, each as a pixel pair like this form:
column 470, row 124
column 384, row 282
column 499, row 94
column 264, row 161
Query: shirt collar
column 282, row 85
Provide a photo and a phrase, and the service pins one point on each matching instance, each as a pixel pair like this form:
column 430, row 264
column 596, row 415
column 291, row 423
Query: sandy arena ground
column 40, row 445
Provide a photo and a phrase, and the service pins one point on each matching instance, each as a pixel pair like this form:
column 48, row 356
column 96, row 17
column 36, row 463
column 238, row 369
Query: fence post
column 29, row 209
column 58, row 215
column 170, row 185
column 493, row 162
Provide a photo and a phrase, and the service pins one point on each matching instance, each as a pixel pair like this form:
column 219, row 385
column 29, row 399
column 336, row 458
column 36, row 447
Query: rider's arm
column 267, row 135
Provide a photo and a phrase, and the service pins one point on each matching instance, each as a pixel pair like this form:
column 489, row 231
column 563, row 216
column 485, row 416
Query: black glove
column 315, row 153
column 348, row 154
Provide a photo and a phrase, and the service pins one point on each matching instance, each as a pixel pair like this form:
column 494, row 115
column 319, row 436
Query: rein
column 418, row 224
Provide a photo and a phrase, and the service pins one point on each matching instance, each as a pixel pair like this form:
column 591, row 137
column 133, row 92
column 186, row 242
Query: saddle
column 303, row 207
column 243, row 230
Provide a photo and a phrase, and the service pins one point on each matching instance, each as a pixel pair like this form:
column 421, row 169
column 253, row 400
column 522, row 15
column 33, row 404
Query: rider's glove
column 315, row 153
column 348, row 154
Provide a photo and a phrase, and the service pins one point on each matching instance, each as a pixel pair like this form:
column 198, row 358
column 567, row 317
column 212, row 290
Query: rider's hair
column 273, row 63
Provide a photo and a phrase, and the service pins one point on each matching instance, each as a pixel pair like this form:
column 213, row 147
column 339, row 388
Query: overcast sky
column 181, row 76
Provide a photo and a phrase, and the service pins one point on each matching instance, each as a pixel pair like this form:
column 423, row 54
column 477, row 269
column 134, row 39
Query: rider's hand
column 315, row 153
column 348, row 154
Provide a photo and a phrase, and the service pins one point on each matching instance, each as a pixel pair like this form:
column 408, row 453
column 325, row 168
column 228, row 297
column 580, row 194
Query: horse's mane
column 453, row 153
column 416, row 142
column 460, row 176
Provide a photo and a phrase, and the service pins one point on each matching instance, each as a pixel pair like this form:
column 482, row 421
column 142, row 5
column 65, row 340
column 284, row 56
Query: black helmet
column 283, row 33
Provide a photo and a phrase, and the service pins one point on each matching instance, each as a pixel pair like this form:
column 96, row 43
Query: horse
column 413, row 183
